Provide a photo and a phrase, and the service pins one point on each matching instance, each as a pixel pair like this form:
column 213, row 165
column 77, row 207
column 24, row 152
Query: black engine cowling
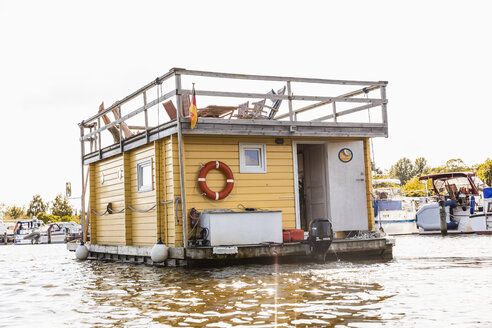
column 320, row 237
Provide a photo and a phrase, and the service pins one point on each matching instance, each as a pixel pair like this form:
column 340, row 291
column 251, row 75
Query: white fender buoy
column 82, row 252
column 159, row 253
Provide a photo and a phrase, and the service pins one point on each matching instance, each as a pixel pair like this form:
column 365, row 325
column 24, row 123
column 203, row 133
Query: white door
column 315, row 182
column 347, row 186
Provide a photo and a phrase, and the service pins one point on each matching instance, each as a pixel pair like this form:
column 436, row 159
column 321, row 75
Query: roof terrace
column 236, row 104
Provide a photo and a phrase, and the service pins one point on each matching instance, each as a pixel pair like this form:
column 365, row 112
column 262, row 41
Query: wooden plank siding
column 128, row 227
column 273, row 190
column 128, row 199
column 165, row 191
column 178, row 225
column 92, row 200
column 107, row 229
column 168, row 189
column 143, row 225
column 368, row 172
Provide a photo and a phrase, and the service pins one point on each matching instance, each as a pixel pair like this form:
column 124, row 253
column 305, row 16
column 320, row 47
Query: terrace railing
column 333, row 113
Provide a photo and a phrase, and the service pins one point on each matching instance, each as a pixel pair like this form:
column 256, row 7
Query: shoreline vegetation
column 58, row 210
column 408, row 173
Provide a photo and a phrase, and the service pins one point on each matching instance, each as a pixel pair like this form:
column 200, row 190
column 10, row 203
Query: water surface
column 432, row 282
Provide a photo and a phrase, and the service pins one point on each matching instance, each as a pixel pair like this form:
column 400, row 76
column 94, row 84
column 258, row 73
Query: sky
column 60, row 59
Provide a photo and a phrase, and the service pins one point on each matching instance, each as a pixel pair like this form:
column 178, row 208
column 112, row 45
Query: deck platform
column 368, row 248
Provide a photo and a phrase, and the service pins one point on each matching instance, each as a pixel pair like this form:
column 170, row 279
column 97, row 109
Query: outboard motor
column 320, row 237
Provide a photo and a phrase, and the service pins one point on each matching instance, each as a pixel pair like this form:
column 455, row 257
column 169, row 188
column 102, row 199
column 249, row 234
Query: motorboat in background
column 26, row 230
column 394, row 212
column 467, row 202
column 60, row 232
column 36, row 232
column 6, row 231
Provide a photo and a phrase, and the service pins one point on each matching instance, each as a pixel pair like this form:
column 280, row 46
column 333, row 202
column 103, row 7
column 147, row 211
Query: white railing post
column 383, row 105
column 147, row 115
column 289, row 93
column 334, row 111
column 179, row 114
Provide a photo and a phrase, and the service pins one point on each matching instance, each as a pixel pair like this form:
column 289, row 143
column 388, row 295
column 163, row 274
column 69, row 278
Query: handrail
column 129, row 115
column 320, row 100
column 285, row 97
column 345, row 112
column 146, row 87
column 183, row 71
column 279, row 78
column 346, row 95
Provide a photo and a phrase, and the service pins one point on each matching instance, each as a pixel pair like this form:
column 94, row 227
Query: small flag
column 193, row 112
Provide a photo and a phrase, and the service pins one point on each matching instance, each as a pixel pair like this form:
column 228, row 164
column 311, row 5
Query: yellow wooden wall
column 273, row 190
column 107, row 229
column 368, row 173
column 129, row 227
column 168, row 189
column 143, row 225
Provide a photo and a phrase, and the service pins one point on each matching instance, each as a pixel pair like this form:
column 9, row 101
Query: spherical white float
column 82, row 252
column 159, row 253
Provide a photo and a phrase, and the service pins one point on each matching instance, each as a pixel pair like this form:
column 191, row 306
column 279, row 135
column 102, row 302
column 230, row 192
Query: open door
column 313, row 190
column 347, row 185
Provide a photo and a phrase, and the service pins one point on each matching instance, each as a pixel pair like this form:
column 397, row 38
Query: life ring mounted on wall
column 202, row 180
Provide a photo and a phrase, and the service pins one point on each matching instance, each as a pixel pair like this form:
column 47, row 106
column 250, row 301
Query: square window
column 144, row 175
column 252, row 158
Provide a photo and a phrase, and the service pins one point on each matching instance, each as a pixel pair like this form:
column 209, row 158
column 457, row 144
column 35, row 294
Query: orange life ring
column 202, row 180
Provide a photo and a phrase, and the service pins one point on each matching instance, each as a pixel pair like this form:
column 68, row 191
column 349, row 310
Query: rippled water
column 432, row 282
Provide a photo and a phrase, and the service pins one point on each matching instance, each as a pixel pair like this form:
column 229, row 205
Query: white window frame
column 140, row 186
column 243, row 168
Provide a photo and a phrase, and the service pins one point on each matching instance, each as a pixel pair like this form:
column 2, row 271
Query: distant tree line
column 409, row 173
column 55, row 211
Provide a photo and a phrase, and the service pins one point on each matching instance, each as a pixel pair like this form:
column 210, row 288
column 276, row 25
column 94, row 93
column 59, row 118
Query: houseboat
column 58, row 232
column 198, row 167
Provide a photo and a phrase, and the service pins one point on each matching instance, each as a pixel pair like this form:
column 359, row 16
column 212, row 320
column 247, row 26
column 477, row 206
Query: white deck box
column 242, row 228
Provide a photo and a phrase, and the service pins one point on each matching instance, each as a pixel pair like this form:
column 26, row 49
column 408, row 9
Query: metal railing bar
column 146, row 116
column 130, row 115
column 120, row 130
column 146, row 87
column 98, row 136
column 139, row 136
column 171, row 72
column 384, row 113
column 273, row 123
column 334, row 107
column 289, row 94
column 274, row 97
column 279, row 78
column 349, row 94
column 345, row 112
